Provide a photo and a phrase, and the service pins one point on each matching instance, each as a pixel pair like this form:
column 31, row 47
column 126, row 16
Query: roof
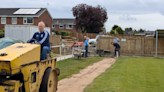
column 9, row 12
column 141, row 33
column 129, row 32
column 160, row 33
column 150, row 32
column 63, row 21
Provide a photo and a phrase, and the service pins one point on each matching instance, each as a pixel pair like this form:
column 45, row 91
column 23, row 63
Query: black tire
column 45, row 80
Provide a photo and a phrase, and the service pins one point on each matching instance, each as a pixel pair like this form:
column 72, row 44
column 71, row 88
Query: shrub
column 2, row 33
column 57, row 32
column 2, row 30
column 65, row 33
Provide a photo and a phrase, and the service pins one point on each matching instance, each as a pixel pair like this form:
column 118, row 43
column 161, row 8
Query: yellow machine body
column 17, row 55
column 26, row 73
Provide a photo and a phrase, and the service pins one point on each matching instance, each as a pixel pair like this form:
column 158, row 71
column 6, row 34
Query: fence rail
column 80, row 36
column 60, row 46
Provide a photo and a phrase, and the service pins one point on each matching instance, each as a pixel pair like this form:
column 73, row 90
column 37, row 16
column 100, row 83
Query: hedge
column 63, row 33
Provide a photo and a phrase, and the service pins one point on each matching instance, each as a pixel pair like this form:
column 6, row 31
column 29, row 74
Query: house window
column 14, row 20
column 3, row 20
column 61, row 26
column 53, row 26
column 28, row 20
column 69, row 26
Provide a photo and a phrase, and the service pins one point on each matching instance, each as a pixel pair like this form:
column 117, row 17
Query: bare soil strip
column 77, row 82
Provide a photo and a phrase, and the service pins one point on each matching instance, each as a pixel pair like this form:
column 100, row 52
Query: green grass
column 131, row 74
column 72, row 66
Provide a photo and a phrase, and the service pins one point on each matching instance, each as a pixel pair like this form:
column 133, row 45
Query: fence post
column 60, row 52
column 135, row 47
column 143, row 46
column 156, row 43
column 72, row 50
column 77, row 36
column 64, row 52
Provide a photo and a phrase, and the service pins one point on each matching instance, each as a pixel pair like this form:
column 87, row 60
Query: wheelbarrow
column 78, row 56
column 102, row 52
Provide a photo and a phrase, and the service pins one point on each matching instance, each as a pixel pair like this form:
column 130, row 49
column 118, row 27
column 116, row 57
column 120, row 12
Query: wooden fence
column 80, row 36
column 134, row 45
column 55, row 40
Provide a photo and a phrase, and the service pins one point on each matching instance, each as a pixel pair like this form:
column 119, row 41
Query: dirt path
column 77, row 82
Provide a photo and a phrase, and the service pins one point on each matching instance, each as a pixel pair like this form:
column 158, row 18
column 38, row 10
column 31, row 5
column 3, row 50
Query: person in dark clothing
column 116, row 40
column 42, row 38
column 116, row 49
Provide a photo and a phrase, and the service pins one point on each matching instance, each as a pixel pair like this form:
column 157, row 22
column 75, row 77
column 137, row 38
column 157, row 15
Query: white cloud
column 149, row 22
column 127, row 18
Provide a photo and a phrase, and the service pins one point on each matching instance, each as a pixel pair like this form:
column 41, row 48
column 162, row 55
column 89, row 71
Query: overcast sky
column 145, row 14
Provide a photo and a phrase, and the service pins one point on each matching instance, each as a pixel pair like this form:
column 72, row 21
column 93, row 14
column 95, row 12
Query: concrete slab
column 64, row 57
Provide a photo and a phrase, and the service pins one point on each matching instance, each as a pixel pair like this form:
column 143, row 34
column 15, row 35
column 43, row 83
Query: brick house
column 64, row 25
column 24, row 16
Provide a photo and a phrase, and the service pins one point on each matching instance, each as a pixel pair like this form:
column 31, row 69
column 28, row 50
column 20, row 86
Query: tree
column 119, row 30
column 128, row 29
column 113, row 32
column 141, row 30
column 114, row 27
column 89, row 19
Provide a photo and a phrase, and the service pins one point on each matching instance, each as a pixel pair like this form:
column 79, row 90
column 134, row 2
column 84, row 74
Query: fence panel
column 55, row 40
column 134, row 45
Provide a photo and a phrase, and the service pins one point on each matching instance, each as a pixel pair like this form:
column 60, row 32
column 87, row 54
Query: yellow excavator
column 22, row 71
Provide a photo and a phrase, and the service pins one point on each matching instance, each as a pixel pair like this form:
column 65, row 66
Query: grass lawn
column 131, row 74
column 72, row 66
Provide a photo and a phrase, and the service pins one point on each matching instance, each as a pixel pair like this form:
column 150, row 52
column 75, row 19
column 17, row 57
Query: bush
column 57, row 32
column 65, row 33
column 2, row 33
column 2, row 30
